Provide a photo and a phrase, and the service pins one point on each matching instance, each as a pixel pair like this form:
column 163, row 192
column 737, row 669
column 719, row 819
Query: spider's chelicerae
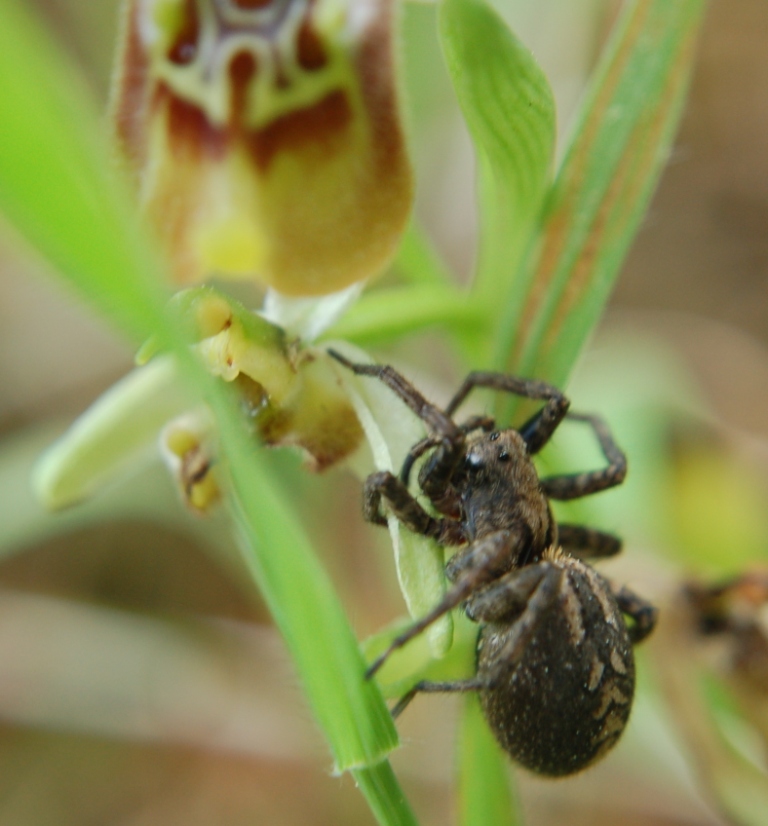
column 555, row 669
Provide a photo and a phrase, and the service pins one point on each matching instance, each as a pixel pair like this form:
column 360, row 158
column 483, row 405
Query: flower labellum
column 264, row 137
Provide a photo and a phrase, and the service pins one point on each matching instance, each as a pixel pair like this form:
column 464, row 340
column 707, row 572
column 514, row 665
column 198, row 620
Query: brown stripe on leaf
column 621, row 200
column 560, row 220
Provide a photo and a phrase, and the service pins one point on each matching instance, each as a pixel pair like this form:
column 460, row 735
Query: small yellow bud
column 185, row 445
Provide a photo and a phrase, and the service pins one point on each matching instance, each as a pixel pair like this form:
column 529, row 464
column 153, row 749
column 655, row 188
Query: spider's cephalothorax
column 555, row 670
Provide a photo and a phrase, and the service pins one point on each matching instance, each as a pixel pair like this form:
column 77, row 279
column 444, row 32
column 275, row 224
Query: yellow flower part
column 264, row 137
column 290, row 394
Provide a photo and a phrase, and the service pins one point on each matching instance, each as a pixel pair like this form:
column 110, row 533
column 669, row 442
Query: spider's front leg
column 538, row 430
column 528, row 593
column 480, row 563
column 385, row 485
column 437, row 421
column 449, row 438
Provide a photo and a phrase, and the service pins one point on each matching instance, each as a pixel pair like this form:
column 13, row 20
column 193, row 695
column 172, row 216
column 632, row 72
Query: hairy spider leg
column 430, row 687
column 450, row 439
column 481, row 563
column 442, row 424
column 587, row 543
column 420, row 448
column 576, row 485
column 642, row 612
column 407, row 509
column 538, row 430
column 531, row 592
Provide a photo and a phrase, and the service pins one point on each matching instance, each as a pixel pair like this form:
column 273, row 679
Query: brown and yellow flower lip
column 264, row 137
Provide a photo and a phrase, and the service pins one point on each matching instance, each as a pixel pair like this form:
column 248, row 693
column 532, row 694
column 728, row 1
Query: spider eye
column 503, row 456
column 495, row 435
column 473, row 461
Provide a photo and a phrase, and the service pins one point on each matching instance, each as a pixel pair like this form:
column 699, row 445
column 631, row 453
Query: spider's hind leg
column 587, row 543
column 427, row 686
column 642, row 612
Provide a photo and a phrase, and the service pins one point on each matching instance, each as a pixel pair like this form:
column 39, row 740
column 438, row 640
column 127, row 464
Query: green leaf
column 110, row 434
column 485, row 793
column 380, row 787
column 510, row 112
column 302, row 602
column 58, row 191
column 614, row 161
column 51, row 187
column 418, row 262
column 382, row 315
column 391, row 429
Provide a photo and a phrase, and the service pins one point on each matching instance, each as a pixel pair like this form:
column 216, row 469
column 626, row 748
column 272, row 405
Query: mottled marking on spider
column 555, row 667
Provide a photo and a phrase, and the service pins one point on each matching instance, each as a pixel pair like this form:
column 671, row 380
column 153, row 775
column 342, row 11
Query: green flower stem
column 384, row 315
column 485, row 792
column 302, row 602
column 382, row 791
column 53, row 188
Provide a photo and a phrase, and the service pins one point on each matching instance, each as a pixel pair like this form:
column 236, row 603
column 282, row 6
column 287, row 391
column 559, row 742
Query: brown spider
column 555, row 668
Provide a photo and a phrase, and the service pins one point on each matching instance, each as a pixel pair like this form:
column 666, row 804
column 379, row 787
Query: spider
column 555, row 668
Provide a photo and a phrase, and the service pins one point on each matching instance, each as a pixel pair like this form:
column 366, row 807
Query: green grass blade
column 116, row 277
column 510, row 112
column 304, row 606
column 382, row 791
column 607, row 178
column 485, row 784
column 50, row 188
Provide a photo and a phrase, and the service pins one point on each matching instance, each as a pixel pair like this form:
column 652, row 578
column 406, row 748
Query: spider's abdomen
column 567, row 699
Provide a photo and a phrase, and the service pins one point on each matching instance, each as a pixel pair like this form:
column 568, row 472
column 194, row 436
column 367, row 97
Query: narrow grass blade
column 50, row 187
column 609, row 173
column 510, row 111
column 54, row 154
column 382, row 791
column 303, row 604
column 486, row 797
